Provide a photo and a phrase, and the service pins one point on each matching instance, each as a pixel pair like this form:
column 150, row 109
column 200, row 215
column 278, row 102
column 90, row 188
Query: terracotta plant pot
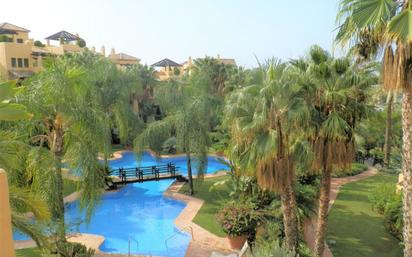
column 236, row 242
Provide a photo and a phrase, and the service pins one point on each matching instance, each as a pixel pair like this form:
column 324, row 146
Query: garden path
column 310, row 224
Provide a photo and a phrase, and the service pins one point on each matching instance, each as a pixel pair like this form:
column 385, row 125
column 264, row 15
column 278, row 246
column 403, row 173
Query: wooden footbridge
column 149, row 173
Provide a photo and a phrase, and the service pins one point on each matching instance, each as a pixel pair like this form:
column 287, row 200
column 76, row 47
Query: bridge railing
column 140, row 173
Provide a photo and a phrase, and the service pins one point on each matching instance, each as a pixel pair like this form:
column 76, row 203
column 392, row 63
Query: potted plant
column 237, row 221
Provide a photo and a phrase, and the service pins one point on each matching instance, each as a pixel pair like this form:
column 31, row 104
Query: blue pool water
column 138, row 212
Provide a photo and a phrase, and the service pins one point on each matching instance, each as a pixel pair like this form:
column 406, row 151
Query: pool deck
column 203, row 242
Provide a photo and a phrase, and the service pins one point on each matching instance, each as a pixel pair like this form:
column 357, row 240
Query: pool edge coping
column 185, row 219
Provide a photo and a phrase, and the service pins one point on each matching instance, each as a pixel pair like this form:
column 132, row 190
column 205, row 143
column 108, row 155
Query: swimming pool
column 138, row 213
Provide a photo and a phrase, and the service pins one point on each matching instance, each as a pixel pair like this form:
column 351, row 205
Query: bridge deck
column 141, row 174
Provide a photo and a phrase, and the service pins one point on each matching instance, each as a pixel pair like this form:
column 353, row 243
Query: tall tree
column 267, row 139
column 392, row 19
column 388, row 130
column 66, row 122
column 336, row 94
column 22, row 199
column 188, row 122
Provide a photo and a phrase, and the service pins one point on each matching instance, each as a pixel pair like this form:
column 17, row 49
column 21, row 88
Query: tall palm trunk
column 58, row 206
column 288, row 204
column 189, row 172
column 407, row 171
column 388, row 131
column 287, row 195
column 325, row 185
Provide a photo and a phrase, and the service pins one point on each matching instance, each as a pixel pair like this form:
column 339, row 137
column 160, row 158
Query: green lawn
column 69, row 186
column 28, row 252
column 358, row 230
column 214, row 201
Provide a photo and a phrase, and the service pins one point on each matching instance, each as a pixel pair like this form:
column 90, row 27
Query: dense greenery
column 70, row 132
column 287, row 128
column 387, row 202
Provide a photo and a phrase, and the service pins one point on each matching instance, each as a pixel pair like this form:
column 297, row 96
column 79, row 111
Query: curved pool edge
column 185, row 219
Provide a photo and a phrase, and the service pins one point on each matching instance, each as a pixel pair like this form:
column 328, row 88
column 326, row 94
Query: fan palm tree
column 392, row 19
column 266, row 121
column 336, row 94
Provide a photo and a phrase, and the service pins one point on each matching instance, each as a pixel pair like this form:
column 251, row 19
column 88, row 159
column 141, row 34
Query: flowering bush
column 237, row 219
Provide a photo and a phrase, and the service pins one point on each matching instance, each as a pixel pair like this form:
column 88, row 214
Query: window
column 19, row 40
column 13, row 62
column 20, row 62
column 26, row 63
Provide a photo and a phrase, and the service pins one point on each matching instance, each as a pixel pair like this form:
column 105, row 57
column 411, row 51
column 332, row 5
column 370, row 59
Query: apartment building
column 21, row 57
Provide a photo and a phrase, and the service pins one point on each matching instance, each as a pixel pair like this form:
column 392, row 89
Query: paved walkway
column 203, row 242
column 310, row 224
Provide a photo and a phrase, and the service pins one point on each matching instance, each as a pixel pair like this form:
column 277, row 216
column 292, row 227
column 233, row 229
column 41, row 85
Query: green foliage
column 238, row 218
column 355, row 169
column 67, row 249
column 28, row 252
column 169, row 146
column 387, row 202
column 81, row 43
column 4, row 38
column 263, row 248
column 11, row 111
column 393, row 218
column 38, row 43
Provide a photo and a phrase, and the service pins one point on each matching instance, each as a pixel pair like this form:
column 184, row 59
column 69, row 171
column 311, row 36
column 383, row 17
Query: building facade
column 21, row 57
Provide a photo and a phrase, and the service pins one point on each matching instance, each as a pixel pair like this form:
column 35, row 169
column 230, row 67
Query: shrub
column 393, row 218
column 67, row 249
column 387, row 202
column 264, row 248
column 38, row 43
column 4, row 38
column 381, row 196
column 356, row 168
column 237, row 219
column 81, row 43
column 377, row 155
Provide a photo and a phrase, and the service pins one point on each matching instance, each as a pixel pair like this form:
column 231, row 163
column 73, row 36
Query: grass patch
column 358, row 230
column 69, row 187
column 214, row 201
column 28, row 252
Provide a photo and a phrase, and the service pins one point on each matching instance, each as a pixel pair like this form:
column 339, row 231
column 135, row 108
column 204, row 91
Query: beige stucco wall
column 6, row 237
column 62, row 49
column 10, row 50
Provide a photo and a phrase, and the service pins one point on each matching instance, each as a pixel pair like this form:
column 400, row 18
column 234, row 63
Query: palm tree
column 113, row 88
column 335, row 93
column 22, row 200
column 188, row 122
column 68, row 123
column 266, row 121
column 391, row 21
column 388, row 130
column 11, row 111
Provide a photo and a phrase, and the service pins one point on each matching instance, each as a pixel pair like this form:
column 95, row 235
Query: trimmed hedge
column 356, row 168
